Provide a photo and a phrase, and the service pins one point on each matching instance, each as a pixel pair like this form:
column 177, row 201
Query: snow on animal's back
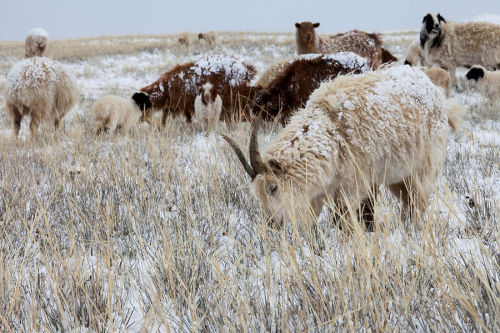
column 234, row 68
column 39, row 75
column 348, row 60
column 395, row 106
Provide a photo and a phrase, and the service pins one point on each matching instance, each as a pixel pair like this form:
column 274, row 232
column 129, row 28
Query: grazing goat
column 175, row 91
column 210, row 37
column 290, row 90
column 35, row 43
column 415, row 55
column 451, row 44
column 39, row 87
column 114, row 112
column 362, row 43
column 207, row 107
column 356, row 132
column 488, row 82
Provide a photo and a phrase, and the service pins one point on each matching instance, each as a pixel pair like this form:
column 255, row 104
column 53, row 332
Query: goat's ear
column 440, row 18
column 276, row 167
column 315, row 25
column 297, row 25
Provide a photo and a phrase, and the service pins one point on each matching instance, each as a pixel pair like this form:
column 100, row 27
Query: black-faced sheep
column 35, row 43
column 175, row 91
column 450, row 44
column 207, row 107
column 210, row 37
column 488, row 82
column 39, row 87
column 114, row 112
column 364, row 44
column 356, row 132
column 290, row 90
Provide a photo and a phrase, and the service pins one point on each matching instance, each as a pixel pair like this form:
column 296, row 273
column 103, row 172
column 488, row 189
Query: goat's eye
column 272, row 188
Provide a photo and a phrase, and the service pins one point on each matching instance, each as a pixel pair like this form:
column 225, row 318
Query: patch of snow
column 488, row 17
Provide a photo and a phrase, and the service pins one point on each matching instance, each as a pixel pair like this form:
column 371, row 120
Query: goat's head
column 305, row 32
column 431, row 27
column 475, row 73
column 267, row 103
column 144, row 103
column 267, row 177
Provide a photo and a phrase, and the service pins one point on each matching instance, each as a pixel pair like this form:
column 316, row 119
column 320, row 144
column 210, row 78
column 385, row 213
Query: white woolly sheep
column 35, row 43
column 488, row 82
column 355, row 133
column 415, row 55
column 39, row 87
column 210, row 37
column 440, row 78
column 114, row 112
column 450, row 44
column 207, row 107
column 185, row 38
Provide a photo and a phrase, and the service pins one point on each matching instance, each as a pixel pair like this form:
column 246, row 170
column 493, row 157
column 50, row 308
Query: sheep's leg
column 400, row 191
column 366, row 210
column 34, row 125
column 412, row 194
column 452, row 70
column 16, row 120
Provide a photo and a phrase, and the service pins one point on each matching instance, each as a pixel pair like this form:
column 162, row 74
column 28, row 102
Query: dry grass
column 147, row 231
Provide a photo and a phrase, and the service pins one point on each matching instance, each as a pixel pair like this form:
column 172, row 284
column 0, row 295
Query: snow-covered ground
column 153, row 231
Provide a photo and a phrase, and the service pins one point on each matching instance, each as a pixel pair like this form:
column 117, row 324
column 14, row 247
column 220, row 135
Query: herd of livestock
column 351, row 111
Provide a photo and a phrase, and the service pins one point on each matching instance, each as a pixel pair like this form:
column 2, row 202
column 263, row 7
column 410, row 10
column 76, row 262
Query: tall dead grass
column 150, row 231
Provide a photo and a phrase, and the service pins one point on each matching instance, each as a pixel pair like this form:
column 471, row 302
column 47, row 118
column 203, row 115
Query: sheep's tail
column 456, row 113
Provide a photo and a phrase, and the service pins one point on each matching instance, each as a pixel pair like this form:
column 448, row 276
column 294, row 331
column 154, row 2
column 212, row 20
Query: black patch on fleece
column 407, row 62
column 475, row 74
column 429, row 23
column 423, row 37
column 142, row 100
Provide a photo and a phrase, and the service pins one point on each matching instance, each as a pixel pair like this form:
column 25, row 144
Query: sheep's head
column 200, row 36
column 267, row 103
column 475, row 73
column 144, row 103
column 208, row 93
column 267, row 177
column 305, row 31
column 431, row 27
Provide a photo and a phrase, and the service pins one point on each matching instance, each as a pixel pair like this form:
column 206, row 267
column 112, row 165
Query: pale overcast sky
column 68, row 18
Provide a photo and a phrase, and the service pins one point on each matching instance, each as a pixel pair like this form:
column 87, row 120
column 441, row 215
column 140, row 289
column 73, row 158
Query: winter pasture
column 153, row 230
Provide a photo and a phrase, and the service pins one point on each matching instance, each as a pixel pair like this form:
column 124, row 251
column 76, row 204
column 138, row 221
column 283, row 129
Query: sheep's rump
column 40, row 85
column 176, row 90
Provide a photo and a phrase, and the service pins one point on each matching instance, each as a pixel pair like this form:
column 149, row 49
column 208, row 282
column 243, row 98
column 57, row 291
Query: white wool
column 110, row 112
column 38, row 32
column 219, row 63
column 40, row 87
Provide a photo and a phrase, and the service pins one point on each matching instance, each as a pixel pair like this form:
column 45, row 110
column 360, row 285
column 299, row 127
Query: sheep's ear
column 297, row 25
column 142, row 100
column 427, row 18
column 276, row 167
column 315, row 25
column 440, row 18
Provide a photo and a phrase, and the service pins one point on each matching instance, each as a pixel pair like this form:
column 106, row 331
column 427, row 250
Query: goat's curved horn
column 255, row 158
column 240, row 155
